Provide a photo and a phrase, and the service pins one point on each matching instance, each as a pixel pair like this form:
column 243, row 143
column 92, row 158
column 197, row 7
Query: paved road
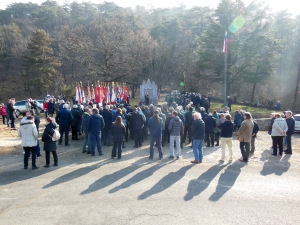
column 136, row 190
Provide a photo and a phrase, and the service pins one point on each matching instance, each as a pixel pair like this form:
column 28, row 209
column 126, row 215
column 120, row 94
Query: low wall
column 263, row 123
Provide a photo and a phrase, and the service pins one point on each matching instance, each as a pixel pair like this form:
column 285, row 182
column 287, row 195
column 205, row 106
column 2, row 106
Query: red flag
column 89, row 94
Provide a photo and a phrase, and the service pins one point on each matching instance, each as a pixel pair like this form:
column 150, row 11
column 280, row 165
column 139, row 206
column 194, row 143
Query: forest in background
column 48, row 47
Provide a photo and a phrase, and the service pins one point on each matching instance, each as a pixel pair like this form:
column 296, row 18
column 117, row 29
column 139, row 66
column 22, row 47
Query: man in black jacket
column 254, row 133
column 198, row 134
column 108, row 118
column 290, row 121
column 136, row 125
column 226, row 136
column 188, row 124
column 210, row 125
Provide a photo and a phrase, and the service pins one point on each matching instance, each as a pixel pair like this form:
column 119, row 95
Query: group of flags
column 99, row 93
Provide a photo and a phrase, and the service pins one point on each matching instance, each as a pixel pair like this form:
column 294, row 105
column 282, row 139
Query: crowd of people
column 183, row 118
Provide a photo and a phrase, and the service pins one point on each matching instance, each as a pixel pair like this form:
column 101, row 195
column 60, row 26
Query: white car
column 21, row 108
column 297, row 122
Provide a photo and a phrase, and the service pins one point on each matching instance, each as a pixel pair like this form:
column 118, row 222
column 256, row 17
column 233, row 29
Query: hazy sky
column 292, row 5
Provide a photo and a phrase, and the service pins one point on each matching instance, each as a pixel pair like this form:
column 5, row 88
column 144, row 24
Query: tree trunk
column 253, row 91
column 296, row 90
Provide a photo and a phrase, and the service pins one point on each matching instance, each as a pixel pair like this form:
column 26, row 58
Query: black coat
column 49, row 145
column 108, row 118
column 136, row 121
column 198, row 130
column 210, row 124
column 76, row 117
column 51, row 108
column 118, row 133
column 226, row 129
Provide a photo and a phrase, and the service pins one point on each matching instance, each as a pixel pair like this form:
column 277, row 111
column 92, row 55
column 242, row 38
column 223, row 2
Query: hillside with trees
column 46, row 48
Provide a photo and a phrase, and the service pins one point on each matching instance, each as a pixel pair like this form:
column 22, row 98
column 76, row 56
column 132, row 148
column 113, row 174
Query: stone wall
column 263, row 123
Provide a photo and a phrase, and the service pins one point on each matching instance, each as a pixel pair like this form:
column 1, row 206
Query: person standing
column 147, row 100
column 85, row 120
column 3, row 112
column 136, row 125
column 118, row 133
column 163, row 117
column 291, row 130
column 175, row 129
column 49, row 145
column 155, row 124
column 245, row 135
column 229, row 103
column 64, row 118
column 226, row 137
column 51, row 108
column 29, row 135
column 108, row 118
column 198, row 134
column 188, row 124
column 279, row 130
column 254, row 133
column 238, row 119
column 210, row 125
column 11, row 113
column 75, row 121
column 95, row 126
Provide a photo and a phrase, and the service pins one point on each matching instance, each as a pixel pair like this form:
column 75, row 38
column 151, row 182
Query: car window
column 20, row 103
column 297, row 118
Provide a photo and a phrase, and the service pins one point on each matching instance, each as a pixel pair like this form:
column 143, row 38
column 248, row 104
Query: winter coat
column 118, row 133
column 238, row 119
column 175, row 126
column 189, row 119
column 136, row 121
column 95, row 124
column 182, row 118
column 49, row 145
column 226, row 129
column 291, row 125
column 255, row 129
column 245, row 131
column 51, row 108
column 61, row 106
column 122, row 117
column 198, row 130
column 217, row 120
column 279, row 127
column 11, row 111
column 108, row 118
column 147, row 115
column 3, row 111
column 210, row 124
column 85, row 121
column 28, row 133
column 203, row 115
column 163, row 117
column 28, row 106
column 221, row 120
column 76, row 117
column 64, row 117
column 154, row 127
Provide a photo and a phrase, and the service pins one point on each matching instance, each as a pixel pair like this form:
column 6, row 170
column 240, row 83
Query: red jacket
column 3, row 111
column 45, row 104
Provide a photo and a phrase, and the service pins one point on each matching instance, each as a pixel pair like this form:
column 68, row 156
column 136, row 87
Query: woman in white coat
column 279, row 130
column 28, row 133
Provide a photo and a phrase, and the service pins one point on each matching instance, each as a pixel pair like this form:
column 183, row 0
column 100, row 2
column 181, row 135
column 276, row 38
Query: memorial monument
column 149, row 88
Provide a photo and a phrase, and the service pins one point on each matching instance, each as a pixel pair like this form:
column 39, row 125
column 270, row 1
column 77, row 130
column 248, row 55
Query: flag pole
column 225, row 50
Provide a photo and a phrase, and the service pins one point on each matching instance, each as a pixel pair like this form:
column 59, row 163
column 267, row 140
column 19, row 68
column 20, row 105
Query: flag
column 107, row 94
column 225, row 46
column 113, row 96
column 89, row 94
column 93, row 93
column 99, row 98
column 125, row 93
column 77, row 94
column 82, row 95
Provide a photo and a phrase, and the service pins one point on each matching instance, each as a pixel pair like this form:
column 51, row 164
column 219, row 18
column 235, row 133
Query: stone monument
column 149, row 88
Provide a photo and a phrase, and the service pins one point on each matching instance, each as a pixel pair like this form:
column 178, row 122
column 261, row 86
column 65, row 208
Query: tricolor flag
column 113, row 96
column 82, row 95
column 89, row 93
column 77, row 94
column 225, row 46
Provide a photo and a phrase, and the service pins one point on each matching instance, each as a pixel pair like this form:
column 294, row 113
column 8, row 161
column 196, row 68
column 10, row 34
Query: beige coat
column 28, row 133
column 245, row 131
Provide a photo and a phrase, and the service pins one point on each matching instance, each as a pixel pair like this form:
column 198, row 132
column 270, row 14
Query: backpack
column 55, row 136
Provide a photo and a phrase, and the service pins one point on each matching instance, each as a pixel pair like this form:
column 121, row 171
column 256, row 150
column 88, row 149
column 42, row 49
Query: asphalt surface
column 135, row 190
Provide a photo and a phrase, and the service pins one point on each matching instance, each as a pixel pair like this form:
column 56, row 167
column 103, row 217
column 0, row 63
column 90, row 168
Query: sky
column 293, row 6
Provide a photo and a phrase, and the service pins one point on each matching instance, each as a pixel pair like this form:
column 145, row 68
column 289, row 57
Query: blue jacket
column 155, row 128
column 85, row 121
column 95, row 124
column 182, row 118
column 226, row 129
column 291, row 125
column 238, row 119
column 61, row 106
column 108, row 117
column 64, row 117
column 210, row 124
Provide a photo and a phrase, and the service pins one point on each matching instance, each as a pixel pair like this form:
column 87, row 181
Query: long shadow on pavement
column 113, row 177
column 197, row 186
column 227, row 180
column 139, row 177
column 274, row 164
column 166, row 182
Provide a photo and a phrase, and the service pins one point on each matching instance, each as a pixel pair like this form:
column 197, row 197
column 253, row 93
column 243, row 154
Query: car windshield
column 297, row 118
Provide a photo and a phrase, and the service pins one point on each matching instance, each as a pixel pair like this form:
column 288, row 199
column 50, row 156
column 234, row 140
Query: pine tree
column 39, row 63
